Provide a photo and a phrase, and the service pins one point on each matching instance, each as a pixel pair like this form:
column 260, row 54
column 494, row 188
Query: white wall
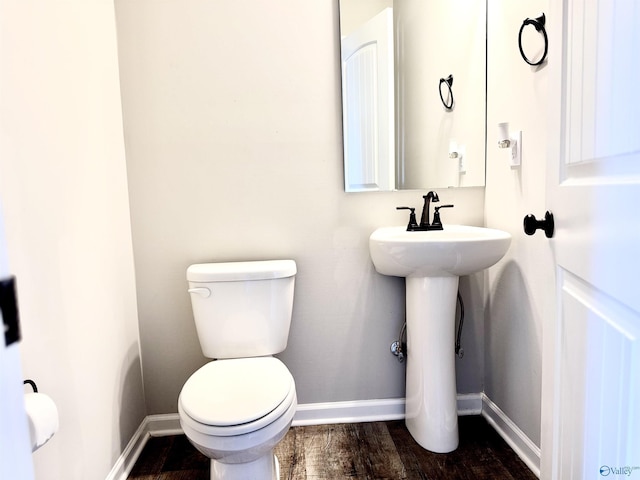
column 353, row 13
column 521, row 286
column 233, row 136
column 64, row 192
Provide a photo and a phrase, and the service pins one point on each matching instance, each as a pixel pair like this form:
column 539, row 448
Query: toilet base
column 266, row 467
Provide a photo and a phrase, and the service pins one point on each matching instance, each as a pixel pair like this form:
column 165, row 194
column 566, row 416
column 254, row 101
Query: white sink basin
column 432, row 262
column 455, row 251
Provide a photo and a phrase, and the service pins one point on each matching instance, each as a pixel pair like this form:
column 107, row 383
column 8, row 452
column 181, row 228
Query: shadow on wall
column 513, row 350
column 469, row 368
column 132, row 410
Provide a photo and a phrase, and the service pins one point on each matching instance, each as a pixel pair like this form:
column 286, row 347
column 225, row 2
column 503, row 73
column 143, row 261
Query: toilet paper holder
column 42, row 416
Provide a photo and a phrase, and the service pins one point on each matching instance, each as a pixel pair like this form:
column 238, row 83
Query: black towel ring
column 538, row 23
column 448, row 82
column 33, row 385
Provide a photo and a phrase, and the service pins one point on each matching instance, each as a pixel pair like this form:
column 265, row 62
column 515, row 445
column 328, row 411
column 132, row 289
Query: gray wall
column 233, row 138
column 521, row 287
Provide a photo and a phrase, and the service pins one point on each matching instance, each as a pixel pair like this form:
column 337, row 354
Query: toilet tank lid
column 240, row 271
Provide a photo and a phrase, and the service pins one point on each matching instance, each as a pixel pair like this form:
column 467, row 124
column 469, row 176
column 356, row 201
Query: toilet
column 236, row 408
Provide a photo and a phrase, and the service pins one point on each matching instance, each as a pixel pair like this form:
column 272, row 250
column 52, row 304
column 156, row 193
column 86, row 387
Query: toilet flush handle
column 202, row 291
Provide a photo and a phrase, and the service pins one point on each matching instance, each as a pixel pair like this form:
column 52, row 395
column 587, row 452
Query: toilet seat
column 236, row 396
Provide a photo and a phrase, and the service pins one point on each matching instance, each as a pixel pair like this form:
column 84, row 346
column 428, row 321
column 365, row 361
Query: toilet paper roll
column 43, row 418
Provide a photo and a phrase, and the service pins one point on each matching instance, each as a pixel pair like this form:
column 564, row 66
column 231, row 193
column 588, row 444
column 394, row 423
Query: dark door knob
column 531, row 224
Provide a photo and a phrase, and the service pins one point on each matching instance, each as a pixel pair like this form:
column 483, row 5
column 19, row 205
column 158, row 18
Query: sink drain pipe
column 399, row 347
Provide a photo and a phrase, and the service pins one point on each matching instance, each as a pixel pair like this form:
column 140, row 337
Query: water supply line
column 399, row 347
column 459, row 349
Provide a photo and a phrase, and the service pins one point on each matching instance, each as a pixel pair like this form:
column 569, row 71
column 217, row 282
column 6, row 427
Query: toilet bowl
column 236, row 409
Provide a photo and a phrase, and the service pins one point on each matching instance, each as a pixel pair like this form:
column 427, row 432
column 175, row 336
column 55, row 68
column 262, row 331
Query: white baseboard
column 151, row 426
column 356, row 411
column 528, row 451
column 469, row 403
column 164, row 425
column 127, row 459
column 370, row 410
column 343, row 412
column 349, row 412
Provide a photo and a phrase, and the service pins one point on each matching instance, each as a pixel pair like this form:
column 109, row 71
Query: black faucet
column 424, row 221
column 428, row 198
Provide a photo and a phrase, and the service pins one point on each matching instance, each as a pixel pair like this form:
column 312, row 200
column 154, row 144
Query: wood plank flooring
column 375, row 451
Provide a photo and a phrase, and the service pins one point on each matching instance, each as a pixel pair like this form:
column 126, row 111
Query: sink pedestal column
column 431, row 403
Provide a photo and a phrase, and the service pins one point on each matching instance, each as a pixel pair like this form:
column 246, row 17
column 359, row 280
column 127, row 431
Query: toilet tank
column 242, row 309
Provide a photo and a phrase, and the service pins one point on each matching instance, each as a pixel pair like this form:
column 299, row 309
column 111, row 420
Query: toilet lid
column 235, row 391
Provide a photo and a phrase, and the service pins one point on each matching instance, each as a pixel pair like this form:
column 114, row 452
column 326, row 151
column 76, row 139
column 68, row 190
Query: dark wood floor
column 375, row 451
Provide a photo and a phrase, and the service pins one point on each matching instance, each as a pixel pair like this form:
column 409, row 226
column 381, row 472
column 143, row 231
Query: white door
column 367, row 105
column 15, row 451
column 591, row 366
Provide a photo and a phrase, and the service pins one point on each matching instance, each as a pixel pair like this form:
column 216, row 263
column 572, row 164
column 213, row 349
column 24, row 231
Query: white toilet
column 237, row 408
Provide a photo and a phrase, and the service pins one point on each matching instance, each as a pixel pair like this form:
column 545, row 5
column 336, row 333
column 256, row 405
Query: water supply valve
column 396, row 349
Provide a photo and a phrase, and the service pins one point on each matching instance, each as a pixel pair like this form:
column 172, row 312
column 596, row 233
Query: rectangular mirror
column 413, row 93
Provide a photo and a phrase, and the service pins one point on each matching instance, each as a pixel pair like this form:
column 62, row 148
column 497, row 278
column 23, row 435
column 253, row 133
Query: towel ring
column 538, row 23
column 33, row 385
column 448, row 82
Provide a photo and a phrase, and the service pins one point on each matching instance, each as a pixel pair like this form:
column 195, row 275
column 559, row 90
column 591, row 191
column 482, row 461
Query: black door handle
column 531, row 224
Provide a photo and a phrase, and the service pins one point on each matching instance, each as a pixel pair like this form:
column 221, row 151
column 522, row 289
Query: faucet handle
column 413, row 224
column 436, row 214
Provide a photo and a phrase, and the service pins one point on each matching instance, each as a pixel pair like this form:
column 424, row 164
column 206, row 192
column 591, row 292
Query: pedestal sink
column 432, row 261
